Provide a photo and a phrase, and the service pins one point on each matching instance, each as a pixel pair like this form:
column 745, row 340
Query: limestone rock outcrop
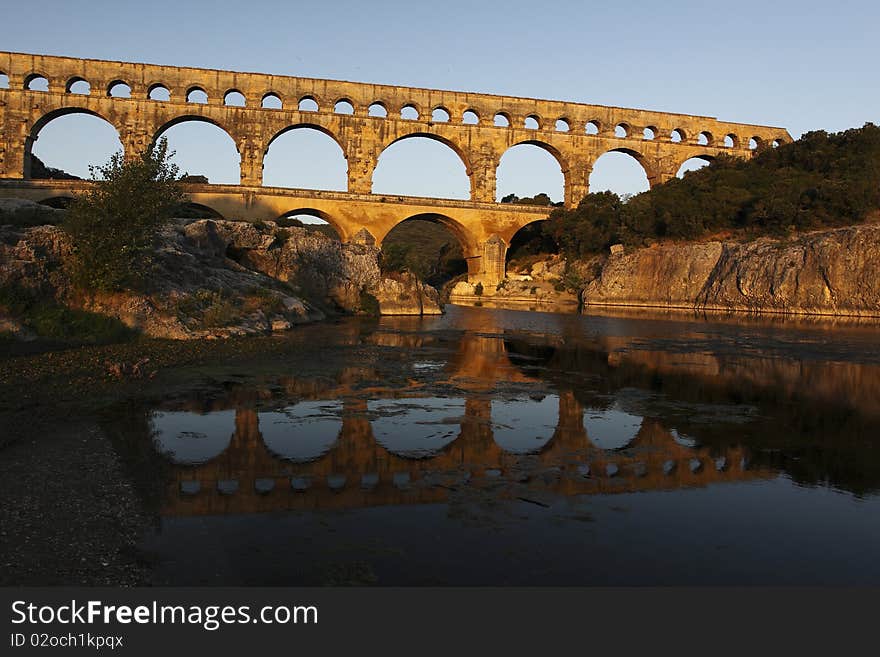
column 835, row 272
column 667, row 275
column 218, row 279
column 405, row 294
column 313, row 264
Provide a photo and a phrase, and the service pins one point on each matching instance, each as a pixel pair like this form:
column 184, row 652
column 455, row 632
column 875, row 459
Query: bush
column 114, row 225
column 819, row 181
column 49, row 319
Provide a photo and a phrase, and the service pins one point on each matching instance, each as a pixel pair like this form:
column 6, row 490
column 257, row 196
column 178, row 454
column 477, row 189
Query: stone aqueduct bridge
column 483, row 226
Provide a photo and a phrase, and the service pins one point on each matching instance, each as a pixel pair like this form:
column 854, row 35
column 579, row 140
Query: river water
column 494, row 447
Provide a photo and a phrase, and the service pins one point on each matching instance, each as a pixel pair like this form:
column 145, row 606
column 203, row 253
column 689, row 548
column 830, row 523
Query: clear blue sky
column 801, row 65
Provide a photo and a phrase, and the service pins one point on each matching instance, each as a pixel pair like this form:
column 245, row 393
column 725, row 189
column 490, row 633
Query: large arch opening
column 202, row 148
column 620, row 172
column 529, row 241
column 67, row 142
column 530, row 173
column 421, row 165
column 431, row 246
column 305, row 157
column 312, row 220
column 693, row 164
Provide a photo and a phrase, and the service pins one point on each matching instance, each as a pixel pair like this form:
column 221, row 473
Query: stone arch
column 335, row 166
column 501, row 119
column 470, row 117
column 647, row 166
column 683, row 167
column 200, row 210
column 33, row 77
column 114, row 86
column 593, row 127
column 343, row 106
column 414, row 114
column 4, row 80
column 69, row 86
column 546, row 147
column 234, row 98
column 183, row 118
column 197, row 118
column 270, row 99
column 443, row 140
column 440, row 115
column 378, row 109
column 308, row 103
column 467, row 240
column 451, row 245
column 48, row 117
column 333, row 222
column 532, row 122
column 305, row 124
column 529, row 239
column 155, row 91
column 196, row 89
column 420, row 133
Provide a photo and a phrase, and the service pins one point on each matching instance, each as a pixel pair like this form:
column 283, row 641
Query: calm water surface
column 492, row 447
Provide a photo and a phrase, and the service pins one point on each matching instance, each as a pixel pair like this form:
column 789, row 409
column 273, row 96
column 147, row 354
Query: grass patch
column 49, row 319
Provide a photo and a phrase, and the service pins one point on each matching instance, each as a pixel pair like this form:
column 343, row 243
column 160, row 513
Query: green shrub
column 48, row 319
column 115, row 223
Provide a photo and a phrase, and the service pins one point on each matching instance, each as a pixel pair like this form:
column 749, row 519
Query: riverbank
column 828, row 273
column 209, row 279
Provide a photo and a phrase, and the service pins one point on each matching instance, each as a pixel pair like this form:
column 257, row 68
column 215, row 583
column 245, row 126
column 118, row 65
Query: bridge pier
column 491, row 263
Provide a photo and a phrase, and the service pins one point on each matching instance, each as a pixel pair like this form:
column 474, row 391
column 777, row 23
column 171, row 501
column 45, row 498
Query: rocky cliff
column 214, row 279
column 834, row 272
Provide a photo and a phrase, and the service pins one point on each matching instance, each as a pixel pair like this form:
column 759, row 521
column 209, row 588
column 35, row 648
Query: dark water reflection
column 499, row 447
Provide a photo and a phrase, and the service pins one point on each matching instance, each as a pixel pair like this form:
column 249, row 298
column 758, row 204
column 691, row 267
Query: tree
column 114, row 225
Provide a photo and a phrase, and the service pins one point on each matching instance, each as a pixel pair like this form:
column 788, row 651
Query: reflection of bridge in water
column 343, row 446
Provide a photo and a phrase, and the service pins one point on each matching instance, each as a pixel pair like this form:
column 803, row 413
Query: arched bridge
column 143, row 100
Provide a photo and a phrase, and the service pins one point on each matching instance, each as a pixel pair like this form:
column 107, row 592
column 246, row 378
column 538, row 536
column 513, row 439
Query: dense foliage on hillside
column 821, row 180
